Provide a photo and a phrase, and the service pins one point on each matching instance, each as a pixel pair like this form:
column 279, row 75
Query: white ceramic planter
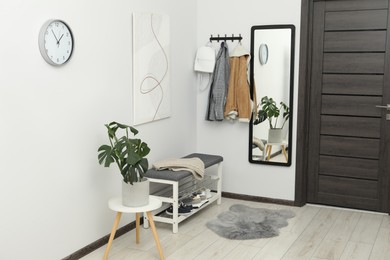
column 275, row 135
column 135, row 195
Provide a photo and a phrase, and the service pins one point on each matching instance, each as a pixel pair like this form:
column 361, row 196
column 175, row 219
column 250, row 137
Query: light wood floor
column 315, row 233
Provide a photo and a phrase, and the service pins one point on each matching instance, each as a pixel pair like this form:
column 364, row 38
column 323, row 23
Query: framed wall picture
column 151, row 65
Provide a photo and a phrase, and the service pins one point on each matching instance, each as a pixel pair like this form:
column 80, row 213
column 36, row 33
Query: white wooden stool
column 115, row 204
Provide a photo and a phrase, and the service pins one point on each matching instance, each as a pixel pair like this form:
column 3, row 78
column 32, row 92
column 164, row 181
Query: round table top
column 280, row 143
column 116, row 205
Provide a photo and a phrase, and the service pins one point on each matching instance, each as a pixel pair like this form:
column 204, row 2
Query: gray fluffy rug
column 242, row 222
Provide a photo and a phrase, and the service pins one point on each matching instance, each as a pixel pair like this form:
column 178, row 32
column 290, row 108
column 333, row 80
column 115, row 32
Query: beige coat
column 238, row 101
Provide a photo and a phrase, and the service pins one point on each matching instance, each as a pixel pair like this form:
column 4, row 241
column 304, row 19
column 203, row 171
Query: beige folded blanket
column 193, row 165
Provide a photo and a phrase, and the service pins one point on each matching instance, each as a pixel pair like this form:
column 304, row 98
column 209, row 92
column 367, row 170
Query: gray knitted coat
column 219, row 85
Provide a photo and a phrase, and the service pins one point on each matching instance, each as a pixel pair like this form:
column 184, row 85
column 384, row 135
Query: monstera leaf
column 106, row 155
column 260, row 117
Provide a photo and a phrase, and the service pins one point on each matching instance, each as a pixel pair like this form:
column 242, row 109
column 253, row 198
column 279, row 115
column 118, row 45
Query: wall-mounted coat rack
column 226, row 38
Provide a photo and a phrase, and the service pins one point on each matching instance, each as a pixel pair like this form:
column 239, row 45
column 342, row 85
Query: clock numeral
column 68, row 42
column 57, row 24
column 63, row 57
column 67, row 51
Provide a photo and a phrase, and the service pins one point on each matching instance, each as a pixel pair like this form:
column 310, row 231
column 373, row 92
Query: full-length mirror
column 272, row 79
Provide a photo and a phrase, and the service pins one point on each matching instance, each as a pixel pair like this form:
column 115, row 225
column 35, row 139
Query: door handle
column 384, row 107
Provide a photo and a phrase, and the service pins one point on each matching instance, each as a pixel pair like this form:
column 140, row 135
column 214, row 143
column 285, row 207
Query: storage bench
column 181, row 184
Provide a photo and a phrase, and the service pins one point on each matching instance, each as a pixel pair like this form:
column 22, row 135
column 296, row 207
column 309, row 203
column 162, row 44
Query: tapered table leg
column 285, row 152
column 154, row 231
column 137, row 220
column 269, row 152
column 113, row 231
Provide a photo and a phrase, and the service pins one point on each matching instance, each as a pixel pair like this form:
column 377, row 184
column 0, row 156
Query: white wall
column 231, row 139
column 53, row 192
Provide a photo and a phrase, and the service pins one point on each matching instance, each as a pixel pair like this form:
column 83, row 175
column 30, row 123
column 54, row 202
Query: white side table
column 115, row 204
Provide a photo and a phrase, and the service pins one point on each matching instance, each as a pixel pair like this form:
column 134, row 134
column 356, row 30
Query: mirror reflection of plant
column 129, row 154
column 269, row 110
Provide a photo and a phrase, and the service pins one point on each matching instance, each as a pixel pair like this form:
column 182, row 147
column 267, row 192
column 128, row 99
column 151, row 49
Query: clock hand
column 58, row 42
column 60, row 39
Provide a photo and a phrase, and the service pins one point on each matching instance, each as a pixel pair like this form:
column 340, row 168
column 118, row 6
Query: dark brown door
column 348, row 161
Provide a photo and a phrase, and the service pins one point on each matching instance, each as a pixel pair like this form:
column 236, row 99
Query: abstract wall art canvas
column 151, row 82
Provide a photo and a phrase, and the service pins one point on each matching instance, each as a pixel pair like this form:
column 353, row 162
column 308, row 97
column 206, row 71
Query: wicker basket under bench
column 181, row 184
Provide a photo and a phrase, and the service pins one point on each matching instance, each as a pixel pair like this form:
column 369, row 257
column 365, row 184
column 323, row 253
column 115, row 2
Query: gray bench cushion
column 207, row 159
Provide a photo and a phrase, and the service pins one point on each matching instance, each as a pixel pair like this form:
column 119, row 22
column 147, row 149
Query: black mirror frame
column 291, row 94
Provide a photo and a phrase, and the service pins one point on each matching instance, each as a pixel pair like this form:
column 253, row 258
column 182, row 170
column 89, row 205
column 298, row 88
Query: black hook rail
column 226, row 38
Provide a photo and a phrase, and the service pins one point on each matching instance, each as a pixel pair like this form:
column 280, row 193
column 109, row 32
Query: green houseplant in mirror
column 271, row 112
column 129, row 154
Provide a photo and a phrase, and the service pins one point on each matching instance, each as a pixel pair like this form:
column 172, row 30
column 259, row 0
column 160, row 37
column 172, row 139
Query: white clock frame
column 56, row 42
column 263, row 53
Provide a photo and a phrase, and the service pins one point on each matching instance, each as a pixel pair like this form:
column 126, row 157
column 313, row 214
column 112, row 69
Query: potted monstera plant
column 129, row 154
column 268, row 110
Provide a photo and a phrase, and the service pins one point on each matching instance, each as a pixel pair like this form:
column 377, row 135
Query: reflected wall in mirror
column 272, row 79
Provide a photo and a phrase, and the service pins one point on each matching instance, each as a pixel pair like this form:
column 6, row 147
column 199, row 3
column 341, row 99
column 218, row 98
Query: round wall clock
column 263, row 54
column 55, row 42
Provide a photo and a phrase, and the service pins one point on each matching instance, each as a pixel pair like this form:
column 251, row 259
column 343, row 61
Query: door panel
column 350, row 126
column 356, row 20
column 348, row 157
column 348, row 187
column 356, row 5
column 349, row 147
column 351, row 105
column 352, row 84
column 369, row 63
column 348, row 201
column 353, row 41
column 349, row 167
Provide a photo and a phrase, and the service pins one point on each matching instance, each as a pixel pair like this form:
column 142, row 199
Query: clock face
column 55, row 42
column 263, row 54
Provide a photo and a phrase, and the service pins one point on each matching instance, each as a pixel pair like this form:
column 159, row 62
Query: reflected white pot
column 135, row 195
column 275, row 135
